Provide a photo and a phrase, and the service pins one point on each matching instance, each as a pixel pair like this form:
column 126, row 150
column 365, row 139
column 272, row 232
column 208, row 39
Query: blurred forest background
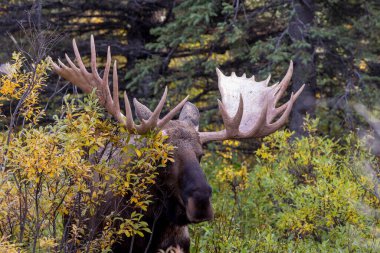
column 315, row 193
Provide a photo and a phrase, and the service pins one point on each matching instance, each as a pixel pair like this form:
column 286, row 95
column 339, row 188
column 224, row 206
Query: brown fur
column 181, row 194
column 168, row 230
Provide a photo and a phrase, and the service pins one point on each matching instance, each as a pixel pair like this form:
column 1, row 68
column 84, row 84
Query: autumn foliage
column 55, row 173
column 308, row 194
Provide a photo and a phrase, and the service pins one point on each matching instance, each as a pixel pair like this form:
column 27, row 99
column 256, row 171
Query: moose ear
column 190, row 115
column 142, row 112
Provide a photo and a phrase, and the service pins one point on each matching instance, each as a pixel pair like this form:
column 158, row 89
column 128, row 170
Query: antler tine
column 271, row 127
column 103, row 84
column 172, row 113
column 62, row 65
column 256, row 118
column 79, row 58
column 93, row 58
column 128, row 113
column 79, row 76
column 286, row 80
column 108, row 66
column 274, row 112
column 232, row 123
column 151, row 122
column 115, row 89
column 283, row 85
column 157, row 111
column 278, row 91
column 71, row 63
column 285, row 110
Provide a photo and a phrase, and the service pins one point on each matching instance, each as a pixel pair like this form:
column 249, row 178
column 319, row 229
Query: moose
column 248, row 110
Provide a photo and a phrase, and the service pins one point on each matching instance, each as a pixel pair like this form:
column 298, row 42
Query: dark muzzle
column 198, row 206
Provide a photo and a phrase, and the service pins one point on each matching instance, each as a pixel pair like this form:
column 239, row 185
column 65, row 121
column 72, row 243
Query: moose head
column 248, row 109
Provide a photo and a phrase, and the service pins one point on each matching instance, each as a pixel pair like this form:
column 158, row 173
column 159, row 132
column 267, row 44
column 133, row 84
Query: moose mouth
column 199, row 210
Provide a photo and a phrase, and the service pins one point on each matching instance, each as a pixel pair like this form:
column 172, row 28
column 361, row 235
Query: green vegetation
column 308, row 194
column 311, row 190
column 313, row 194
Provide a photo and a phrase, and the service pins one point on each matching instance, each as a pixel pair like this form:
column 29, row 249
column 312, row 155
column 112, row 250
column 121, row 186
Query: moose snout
column 198, row 206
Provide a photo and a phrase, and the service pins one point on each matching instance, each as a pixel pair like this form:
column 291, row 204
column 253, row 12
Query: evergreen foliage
column 179, row 43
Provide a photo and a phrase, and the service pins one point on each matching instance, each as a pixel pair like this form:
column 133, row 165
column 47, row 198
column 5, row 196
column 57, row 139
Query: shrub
column 59, row 172
column 303, row 195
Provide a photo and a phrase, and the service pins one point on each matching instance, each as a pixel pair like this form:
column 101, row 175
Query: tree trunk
column 304, row 64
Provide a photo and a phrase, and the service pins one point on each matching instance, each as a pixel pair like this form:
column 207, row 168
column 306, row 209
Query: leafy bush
column 55, row 177
column 24, row 85
column 311, row 194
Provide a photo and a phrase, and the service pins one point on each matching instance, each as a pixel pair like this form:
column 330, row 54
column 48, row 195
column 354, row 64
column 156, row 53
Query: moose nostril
column 199, row 208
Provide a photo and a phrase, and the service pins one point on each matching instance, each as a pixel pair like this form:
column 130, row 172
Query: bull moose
column 248, row 110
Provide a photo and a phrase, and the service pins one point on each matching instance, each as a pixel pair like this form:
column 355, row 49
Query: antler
column 252, row 106
column 80, row 77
